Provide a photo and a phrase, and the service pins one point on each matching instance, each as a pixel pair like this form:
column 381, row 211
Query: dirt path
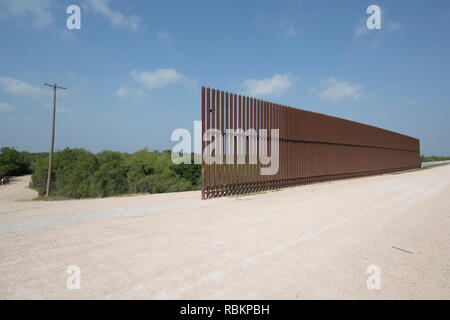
column 313, row 242
column 17, row 190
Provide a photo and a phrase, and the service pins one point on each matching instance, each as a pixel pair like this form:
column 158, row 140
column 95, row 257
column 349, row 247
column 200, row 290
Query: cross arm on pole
column 54, row 86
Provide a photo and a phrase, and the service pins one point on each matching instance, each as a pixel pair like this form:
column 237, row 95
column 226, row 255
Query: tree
column 78, row 173
column 13, row 163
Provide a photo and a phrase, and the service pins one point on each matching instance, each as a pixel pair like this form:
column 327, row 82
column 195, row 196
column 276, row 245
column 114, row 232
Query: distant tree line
column 78, row 173
column 424, row 158
column 14, row 163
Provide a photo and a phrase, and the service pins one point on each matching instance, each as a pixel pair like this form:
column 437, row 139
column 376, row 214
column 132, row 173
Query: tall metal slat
column 213, row 126
column 203, row 143
column 266, row 126
column 227, row 141
column 235, row 125
column 240, row 143
column 222, row 129
column 251, row 150
column 208, row 121
column 247, row 166
column 218, row 166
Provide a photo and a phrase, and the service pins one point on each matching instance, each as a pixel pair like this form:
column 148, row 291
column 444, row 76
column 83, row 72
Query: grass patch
column 249, row 194
column 57, row 198
column 420, row 169
column 259, row 192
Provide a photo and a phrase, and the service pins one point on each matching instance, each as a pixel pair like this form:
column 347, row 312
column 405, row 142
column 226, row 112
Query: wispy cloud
column 5, row 107
column 66, row 34
column 38, row 10
column 360, row 28
column 150, row 80
column 60, row 108
column 19, row 87
column 163, row 37
column 124, row 92
column 115, row 17
column 413, row 101
column 159, row 78
column 393, row 26
column 287, row 21
column 285, row 24
column 286, row 27
column 276, row 86
column 334, row 90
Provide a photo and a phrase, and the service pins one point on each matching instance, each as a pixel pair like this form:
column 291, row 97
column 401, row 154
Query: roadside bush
column 77, row 173
column 13, row 162
column 110, row 177
column 71, row 173
column 424, row 158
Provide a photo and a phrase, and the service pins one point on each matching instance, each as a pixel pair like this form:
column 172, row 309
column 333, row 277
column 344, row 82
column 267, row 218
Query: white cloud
column 288, row 22
column 163, row 37
column 158, row 78
column 5, row 107
column 360, row 30
column 277, row 85
column 38, row 10
column 334, row 89
column 19, row 87
column 124, row 92
column 287, row 28
column 148, row 80
column 116, row 18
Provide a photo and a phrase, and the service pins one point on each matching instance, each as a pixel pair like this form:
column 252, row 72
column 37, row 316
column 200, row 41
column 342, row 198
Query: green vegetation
column 412, row 170
column 78, row 173
column 14, row 163
column 424, row 158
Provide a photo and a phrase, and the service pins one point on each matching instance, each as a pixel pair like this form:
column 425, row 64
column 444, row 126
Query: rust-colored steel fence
column 313, row 147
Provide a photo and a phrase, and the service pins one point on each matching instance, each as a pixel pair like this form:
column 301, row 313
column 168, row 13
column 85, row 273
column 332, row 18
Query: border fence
column 313, row 147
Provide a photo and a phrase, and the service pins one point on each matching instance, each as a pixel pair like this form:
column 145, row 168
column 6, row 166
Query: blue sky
column 135, row 69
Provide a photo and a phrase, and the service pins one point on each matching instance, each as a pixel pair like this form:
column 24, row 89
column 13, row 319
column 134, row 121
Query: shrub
column 13, row 162
column 77, row 173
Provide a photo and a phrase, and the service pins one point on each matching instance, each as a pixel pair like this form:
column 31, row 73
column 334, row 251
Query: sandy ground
column 308, row 242
column 17, row 190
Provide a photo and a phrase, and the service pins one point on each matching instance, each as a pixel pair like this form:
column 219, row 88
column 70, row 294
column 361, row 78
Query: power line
column 50, row 160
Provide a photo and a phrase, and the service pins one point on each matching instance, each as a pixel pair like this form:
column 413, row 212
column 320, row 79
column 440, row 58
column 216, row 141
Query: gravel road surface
column 308, row 242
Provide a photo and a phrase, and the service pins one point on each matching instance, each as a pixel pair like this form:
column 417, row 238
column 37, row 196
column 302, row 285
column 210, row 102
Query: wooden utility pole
column 50, row 159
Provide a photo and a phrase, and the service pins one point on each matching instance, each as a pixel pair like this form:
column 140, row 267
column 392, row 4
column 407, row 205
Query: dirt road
column 308, row 242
